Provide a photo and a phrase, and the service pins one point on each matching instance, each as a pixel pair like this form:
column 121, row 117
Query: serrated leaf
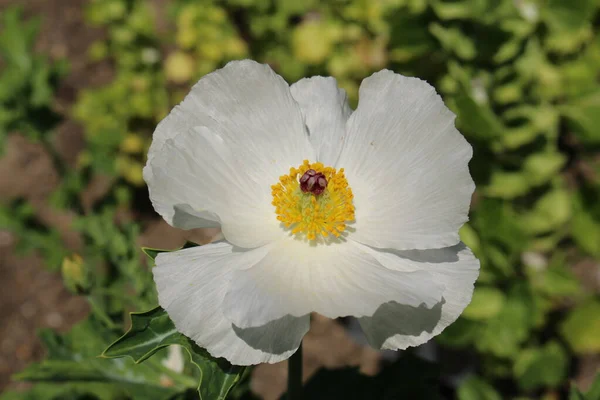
column 153, row 253
column 73, row 362
column 152, row 330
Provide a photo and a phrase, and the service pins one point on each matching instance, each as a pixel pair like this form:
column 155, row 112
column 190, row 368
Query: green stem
column 295, row 375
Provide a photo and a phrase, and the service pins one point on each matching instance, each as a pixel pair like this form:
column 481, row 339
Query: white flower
column 380, row 242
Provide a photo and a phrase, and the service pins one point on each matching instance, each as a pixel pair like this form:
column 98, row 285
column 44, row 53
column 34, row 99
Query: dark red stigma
column 313, row 182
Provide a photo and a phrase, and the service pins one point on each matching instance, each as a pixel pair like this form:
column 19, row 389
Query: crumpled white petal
column 335, row 280
column 407, row 165
column 398, row 326
column 191, row 286
column 325, row 109
column 248, row 111
column 197, row 174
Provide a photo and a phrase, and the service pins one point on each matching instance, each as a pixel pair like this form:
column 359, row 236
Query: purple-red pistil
column 313, row 182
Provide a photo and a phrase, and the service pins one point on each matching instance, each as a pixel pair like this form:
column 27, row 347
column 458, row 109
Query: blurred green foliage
column 27, row 80
column 522, row 77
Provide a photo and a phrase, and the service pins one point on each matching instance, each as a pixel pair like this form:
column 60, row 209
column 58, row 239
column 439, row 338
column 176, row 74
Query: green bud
column 75, row 274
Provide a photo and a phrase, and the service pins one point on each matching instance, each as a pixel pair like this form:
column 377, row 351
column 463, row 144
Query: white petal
column 197, row 174
column 398, row 326
column 191, row 286
column 335, row 280
column 325, row 109
column 246, row 109
column 407, row 165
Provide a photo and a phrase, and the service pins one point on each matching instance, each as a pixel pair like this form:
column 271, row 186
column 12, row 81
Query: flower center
column 313, row 181
column 314, row 200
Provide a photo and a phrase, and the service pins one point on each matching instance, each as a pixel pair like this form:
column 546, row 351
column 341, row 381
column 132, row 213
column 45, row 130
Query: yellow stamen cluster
column 309, row 214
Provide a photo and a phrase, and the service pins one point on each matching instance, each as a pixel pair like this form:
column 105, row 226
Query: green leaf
column 461, row 333
column 497, row 222
column 503, row 334
column 65, row 391
column 541, row 367
column 454, row 10
column 593, row 392
column 61, row 370
column 409, row 36
column 550, row 212
column 508, row 50
column 17, row 39
column 486, row 303
column 469, row 236
column 575, row 393
column 475, row 388
column 541, row 167
column 152, row 330
column 568, row 15
column 507, row 185
column 586, row 232
column 73, row 362
column 453, row 40
column 581, row 329
column 585, row 227
column 475, row 117
column 153, row 253
column 557, row 281
column 583, row 116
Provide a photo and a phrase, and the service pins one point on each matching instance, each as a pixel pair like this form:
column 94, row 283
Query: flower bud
column 76, row 276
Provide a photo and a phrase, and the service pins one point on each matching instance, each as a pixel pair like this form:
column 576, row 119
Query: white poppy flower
column 367, row 227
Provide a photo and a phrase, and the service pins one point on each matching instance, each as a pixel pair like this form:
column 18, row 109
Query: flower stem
column 295, row 375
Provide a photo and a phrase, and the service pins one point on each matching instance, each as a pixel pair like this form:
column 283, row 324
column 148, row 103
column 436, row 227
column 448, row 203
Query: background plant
column 522, row 77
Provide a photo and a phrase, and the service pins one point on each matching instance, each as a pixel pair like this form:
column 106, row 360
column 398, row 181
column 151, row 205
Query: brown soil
column 31, row 298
